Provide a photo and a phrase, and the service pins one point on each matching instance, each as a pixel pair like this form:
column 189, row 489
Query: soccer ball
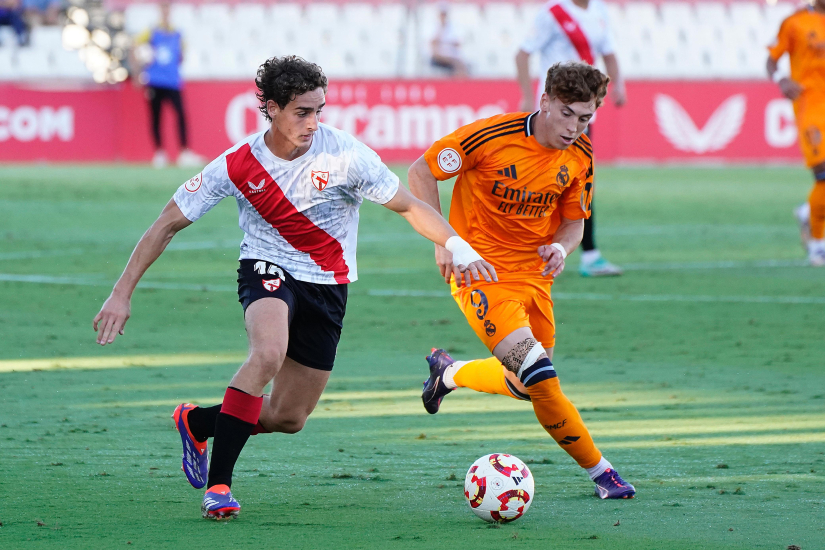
column 499, row 488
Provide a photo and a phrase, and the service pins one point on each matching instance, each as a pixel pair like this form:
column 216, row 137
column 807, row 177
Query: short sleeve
column 197, row 196
column 575, row 200
column 370, row 176
column 457, row 152
column 541, row 33
column 782, row 44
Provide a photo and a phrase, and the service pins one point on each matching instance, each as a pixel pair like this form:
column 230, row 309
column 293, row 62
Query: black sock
column 202, row 421
column 231, row 434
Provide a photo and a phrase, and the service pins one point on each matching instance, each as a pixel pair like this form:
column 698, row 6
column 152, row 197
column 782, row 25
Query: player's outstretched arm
column 789, row 88
column 112, row 317
column 566, row 239
column 431, row 225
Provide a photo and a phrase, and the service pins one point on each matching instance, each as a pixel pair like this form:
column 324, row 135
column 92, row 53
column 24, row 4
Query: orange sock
column 817, row 201
column 563, row 422
column 484, row 375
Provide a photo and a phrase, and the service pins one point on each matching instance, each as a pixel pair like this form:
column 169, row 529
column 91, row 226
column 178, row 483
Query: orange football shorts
column 494, row 310
column 810, row 120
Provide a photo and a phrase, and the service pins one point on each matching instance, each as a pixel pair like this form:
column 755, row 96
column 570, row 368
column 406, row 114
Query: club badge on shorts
column 271, row 284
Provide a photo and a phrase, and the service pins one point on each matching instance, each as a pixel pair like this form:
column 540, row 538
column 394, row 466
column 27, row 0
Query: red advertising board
column 691, row 121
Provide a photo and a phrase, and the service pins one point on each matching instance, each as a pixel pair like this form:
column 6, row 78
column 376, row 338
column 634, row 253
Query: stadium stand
column 665, row 39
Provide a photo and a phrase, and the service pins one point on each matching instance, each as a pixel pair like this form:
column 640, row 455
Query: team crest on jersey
column 563, row 177
column 257, row 187
column 320, row 179
column 271, row 284
column 194, row 184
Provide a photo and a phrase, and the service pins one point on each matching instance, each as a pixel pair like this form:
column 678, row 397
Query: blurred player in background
column 524, row 189
column 802, row 37
column 573, row 30
column 298, row 186
column 11, row 15
column 446, row 46
column 159, row 53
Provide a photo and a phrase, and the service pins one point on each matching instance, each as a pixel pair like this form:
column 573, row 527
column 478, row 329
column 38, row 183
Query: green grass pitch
column 700, row 373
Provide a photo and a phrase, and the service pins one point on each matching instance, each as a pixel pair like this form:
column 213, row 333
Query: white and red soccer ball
column 499, row 488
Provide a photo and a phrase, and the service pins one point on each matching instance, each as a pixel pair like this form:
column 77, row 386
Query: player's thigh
column 295, row 394
column 267, row 329
column 493, row 311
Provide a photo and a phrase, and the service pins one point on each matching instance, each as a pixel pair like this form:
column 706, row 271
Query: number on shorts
column 482, row 304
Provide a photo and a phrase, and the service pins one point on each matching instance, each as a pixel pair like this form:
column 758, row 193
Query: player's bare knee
column 289, row 424
column 516, row 356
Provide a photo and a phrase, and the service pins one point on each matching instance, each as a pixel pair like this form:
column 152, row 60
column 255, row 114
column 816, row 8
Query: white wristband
column 561, row 249
column 463, row 253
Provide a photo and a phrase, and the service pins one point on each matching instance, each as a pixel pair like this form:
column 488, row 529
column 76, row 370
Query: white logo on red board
column 677, row 126
column 449, row 160
column 320, row 179
column 194, row 184
column 271, row 284
column 257, row 188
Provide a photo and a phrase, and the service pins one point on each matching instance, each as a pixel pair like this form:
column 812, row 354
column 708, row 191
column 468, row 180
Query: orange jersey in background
column 802, row 37
column 511, row 191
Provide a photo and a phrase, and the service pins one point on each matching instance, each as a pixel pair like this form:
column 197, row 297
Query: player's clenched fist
column 553, row 255
column 111, row 319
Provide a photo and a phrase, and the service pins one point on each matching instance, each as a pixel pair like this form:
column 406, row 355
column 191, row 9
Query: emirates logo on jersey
column 320, row 180
column 257, row 188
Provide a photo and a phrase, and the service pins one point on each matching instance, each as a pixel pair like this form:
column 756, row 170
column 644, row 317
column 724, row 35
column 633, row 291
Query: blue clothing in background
column 164, row 70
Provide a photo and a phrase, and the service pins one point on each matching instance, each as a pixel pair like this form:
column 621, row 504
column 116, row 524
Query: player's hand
column 444, row 261
column 111, row 318
column 618, row 94
column 790, row 89
column 553, row 260
column 463, row 274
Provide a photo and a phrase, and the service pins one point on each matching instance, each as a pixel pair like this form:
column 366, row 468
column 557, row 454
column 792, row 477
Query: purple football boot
column 218, row 503
column 611, row 485
column 434, row 388
column 195, row 453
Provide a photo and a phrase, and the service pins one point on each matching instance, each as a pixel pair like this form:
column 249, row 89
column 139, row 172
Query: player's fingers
column 484, row 273
column 456, row 273
column 105, row 327
column 468, row 277
column 558, row 270
column 96, row 319
column 116, row 327
column 491, row 270
column 474, row 271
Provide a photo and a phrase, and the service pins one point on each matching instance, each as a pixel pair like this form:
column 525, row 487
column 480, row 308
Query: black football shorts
column 316, row 311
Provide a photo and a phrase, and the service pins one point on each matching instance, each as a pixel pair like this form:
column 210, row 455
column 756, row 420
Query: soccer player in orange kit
column 802, row 37
column 525, row 182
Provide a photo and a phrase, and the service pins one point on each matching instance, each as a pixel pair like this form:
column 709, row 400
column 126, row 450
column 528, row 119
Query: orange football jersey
column 802, row 36
column 511, row 191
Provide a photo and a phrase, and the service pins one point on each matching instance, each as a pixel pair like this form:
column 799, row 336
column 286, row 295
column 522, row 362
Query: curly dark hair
column 575, row 81
column 282, row 79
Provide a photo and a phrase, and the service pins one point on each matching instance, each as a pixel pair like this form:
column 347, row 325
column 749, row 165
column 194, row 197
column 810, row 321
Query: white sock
column 590, row 256
column 816, row 246
column 599, row 468
column 450, row 371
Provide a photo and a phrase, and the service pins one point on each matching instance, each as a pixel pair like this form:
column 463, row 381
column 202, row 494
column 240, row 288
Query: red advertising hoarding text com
column 730, row 121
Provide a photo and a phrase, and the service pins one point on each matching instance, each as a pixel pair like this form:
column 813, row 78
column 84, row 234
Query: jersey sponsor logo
column 449, row 160
column 271, row 284
column 257, row 188
column 194, row 184
column 521, row 202
column 678, row 127
column 319, row 179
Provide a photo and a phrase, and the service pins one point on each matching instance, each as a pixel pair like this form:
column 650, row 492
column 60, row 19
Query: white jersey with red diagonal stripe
column 300, row 214
column 563, row 31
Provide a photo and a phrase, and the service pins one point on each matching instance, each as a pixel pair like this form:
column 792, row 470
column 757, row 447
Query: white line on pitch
column 43, row 279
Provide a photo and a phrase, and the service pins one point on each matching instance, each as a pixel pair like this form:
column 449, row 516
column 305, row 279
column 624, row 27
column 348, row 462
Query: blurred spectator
column 158, row 55
column 446, row 46
column 11, row 15
column 44, row 12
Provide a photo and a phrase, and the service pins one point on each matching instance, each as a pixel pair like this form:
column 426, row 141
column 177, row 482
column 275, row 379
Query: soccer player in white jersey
column 573, row 30
column 298, row 186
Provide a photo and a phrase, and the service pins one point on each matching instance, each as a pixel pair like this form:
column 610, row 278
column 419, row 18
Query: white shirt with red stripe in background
column 563, row 31
column 300, row 214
